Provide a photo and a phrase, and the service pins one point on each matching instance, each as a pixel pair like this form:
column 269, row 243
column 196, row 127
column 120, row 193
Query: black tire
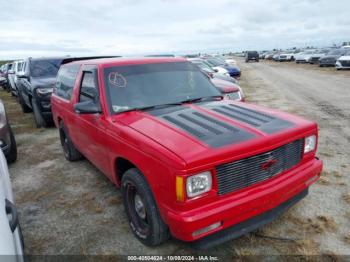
column 38, row 117
column 12, row 155
column 146, row 223
column 25, row 108
column 69, row 150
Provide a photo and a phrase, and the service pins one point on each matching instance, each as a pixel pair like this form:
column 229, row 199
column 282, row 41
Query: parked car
column 269, row 56
column 12, row 76
column 218, row 69
column 343, row 62
column 36, row 86
column 11, row 238
column 206, row 67
column 286, row 56
column 6, row 68
column 225, row 84
column 331, row 58
column 315, row 57
column 216, row 63
column 276, row 57
column 3, row 80
column 231, row 61
column 7, row 138
column 304, row 57
column 157, row 128
column 229, row 90
column 251, row 56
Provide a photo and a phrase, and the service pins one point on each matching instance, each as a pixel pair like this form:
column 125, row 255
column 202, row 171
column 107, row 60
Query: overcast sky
column 136, row 27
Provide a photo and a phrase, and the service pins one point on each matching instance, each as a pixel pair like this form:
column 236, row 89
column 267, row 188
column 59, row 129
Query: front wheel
column 141, row 209
column 12, row 155
column 25, row 108
column 39, row 119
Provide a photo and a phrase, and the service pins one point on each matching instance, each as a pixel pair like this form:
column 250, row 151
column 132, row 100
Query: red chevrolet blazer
column 189, row 163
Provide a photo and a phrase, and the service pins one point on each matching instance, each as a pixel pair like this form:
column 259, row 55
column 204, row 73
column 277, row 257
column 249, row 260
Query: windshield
column 139, row 86
column 45, row 68
column 203, row 66
column 336, row 52
column 213, row 62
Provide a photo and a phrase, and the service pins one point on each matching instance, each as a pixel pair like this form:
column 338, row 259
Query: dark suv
column 252, row 55
column 35, row 86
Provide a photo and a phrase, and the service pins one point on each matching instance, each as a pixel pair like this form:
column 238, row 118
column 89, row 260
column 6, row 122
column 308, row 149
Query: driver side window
column 88, row 89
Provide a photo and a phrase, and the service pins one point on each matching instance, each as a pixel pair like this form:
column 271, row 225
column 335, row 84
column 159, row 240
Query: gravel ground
column 71, row 208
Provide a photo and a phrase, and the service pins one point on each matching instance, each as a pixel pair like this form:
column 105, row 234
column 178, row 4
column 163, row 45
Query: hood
column 216, row 130
column 224, row 86
column 345, row 57
column 220, row 69
column 317, row 55
column 42, row 82
column 232, row 69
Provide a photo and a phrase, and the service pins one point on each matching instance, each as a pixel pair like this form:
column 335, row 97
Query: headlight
column 198, row 184
column 44, row 91
column 226, row 74
column 310, row 143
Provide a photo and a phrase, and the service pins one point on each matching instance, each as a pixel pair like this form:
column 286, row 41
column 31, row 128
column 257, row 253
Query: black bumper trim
column 247, row 226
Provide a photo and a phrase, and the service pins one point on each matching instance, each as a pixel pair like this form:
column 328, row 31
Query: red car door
column 88, row 130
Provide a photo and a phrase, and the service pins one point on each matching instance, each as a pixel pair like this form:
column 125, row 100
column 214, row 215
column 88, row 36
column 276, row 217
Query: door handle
column 12, row 210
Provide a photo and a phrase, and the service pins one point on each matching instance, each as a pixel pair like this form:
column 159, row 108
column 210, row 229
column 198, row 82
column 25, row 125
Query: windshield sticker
column 116, row 79
column 119, row 108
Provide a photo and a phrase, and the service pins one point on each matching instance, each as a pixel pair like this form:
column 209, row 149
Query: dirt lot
column 71, row 208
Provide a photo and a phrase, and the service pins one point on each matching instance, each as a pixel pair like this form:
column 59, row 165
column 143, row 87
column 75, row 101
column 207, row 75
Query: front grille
column 249, row 171
column 345, row 63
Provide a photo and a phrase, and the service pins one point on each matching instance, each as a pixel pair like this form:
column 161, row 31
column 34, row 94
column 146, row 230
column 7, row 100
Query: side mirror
column 215, row 70
column 87, row 107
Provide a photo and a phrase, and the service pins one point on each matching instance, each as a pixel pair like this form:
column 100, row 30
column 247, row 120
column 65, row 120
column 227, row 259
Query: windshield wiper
column 202, row 99
column 193, row 100
column 150, row 107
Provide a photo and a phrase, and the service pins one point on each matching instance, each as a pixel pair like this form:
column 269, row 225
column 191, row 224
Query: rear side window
column 88, row 89
column 66, row 80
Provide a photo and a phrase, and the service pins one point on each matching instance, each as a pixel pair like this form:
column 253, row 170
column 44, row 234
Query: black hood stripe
column 261, row 121
column 206, row 128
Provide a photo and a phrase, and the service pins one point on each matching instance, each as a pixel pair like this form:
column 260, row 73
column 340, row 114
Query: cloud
column 135, row 27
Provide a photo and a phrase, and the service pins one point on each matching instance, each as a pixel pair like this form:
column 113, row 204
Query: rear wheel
column 39, row 119
column 141, row 209
column 69, row 150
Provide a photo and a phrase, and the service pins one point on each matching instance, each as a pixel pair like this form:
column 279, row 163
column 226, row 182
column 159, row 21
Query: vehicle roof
column 46, row 58
column 129, row 61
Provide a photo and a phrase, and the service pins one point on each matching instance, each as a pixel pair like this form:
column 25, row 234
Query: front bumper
column 342, row 64
column 236, row 208
column 235, row 74
column 327, row 62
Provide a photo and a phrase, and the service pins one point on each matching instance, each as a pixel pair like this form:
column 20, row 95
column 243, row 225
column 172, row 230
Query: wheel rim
column 139, row 207
column 137, row 211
